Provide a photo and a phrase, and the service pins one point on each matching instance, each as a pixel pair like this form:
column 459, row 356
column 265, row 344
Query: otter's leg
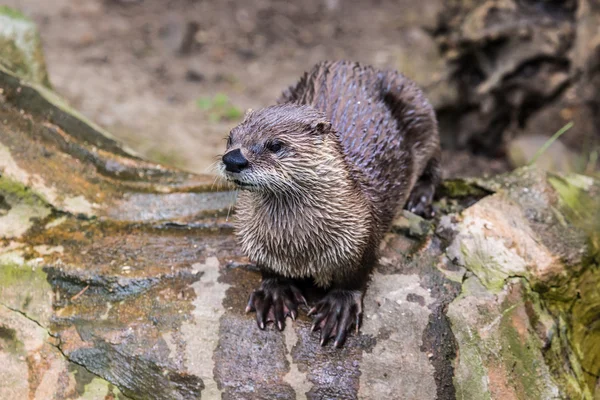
column 421, row 196
column 275, row 299
column 336, row 313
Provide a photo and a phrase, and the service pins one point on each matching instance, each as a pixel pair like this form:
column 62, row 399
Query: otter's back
column 387, row 127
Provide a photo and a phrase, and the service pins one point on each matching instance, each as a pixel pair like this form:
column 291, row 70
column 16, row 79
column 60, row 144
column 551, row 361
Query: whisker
column 231, row 204
column 213, row 184
column 212, row 167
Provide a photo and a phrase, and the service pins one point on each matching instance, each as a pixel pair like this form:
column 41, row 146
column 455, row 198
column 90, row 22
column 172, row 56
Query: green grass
column 219, row 108
column 546, row 145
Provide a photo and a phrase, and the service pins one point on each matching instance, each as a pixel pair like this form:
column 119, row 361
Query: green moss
column 12, row 13
column 470, row 376
column 456, row 188
column 470, row 372
column 90, row 387
column 584, row 333
column 12, row 274
column 12, row 57
column 581, row 206
column 485, row 266
column 575, row 337
column 522, row 358
column 502, row 346
column 22, row 208
column 17, row 193
column 25, row 288
column 565, row 364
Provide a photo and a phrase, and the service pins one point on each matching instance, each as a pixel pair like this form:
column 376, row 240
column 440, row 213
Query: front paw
column 336, row 313
column 275, row 300
column 419, row 201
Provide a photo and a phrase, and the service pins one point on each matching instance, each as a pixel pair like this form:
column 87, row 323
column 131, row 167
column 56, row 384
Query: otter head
column 278, row 149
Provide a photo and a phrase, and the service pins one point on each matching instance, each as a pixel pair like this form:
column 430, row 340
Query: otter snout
column 234, row 161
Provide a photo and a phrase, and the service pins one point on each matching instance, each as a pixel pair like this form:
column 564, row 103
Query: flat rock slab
column 174, row 327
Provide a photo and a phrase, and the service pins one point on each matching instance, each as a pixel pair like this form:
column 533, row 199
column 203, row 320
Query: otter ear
column 248, row 112
column 321, row 126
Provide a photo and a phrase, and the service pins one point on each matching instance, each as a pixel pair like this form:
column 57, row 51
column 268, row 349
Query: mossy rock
column 21, row 47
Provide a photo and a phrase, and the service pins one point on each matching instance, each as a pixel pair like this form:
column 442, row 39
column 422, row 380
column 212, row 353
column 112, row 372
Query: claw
column 262, row 310
column 335, row 315
column 250, row 306
column 420, row 198
column 274, row 301
column 298, row 296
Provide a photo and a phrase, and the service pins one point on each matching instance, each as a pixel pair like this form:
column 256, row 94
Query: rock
column 430, row 70
column 21, row 47
column 587, row 42
column 571, row 106
column 123, row 280
column 521, row 68
column 33, row 367
column 536, row 280
column 498, row 354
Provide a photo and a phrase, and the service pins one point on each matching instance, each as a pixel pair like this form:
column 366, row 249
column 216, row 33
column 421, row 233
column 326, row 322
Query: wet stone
column 250, row 363
column 333, row 373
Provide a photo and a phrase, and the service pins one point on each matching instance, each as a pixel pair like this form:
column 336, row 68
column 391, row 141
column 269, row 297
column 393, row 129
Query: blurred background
column 170, row 78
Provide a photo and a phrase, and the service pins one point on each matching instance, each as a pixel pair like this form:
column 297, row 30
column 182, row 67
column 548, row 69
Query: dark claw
column 262, row 306
column 335, row 315
column 318, row 321
column 345, row 325
column 328, row 329
column 250, row 306
column 279, row 315
column 290, row 308
column 274, row 301
column 419, row 201
column 298, row 296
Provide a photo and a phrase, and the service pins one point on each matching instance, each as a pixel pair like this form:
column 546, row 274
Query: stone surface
column 33, row 367
column 499, row 356
column 123, row 280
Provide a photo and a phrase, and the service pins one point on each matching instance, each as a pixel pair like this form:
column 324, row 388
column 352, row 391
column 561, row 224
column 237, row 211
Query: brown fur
column 354, row 142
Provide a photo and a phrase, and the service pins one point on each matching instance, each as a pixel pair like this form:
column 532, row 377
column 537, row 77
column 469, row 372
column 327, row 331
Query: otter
column 322, row 174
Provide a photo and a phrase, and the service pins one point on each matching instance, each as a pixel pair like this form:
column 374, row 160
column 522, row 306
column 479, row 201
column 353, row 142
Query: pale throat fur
column 319, row 229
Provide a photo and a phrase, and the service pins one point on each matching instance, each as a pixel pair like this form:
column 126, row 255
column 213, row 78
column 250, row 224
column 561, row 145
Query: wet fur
column 356, row 141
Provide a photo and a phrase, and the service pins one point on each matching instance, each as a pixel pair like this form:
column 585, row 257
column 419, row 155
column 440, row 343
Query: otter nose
column 235, row 161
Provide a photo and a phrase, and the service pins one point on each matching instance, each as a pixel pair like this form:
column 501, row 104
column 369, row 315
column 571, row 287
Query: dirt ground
column 171, row 78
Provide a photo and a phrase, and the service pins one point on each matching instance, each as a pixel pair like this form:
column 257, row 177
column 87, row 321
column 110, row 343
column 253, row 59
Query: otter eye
column 274, row 146
column 229, row 141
